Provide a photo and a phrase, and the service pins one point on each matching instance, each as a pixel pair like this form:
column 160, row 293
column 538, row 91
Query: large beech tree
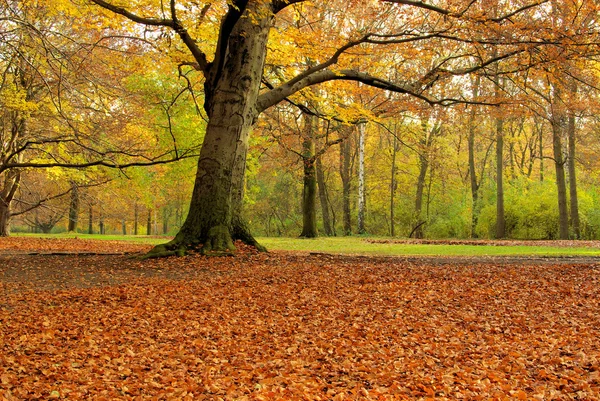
column 239, row 85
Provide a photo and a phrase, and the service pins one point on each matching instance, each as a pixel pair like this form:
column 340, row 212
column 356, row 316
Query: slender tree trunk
column 102, row 228
column 309, row 200
column 499, row 126
column 149, row 223
column 472, row 171
column 361, row 179
column 393, row 186
column 345, row 176
column 74, row 207
column 541, row 145
column 136, row 218
column 559, row 165
column 500, row 221
column 322, row 187
column 423, row 166
column 309, row 188
column 166, row 215
column 124, row 226
column 574, row 203
column 558, row 129
column 474, row 183
column 91, row 219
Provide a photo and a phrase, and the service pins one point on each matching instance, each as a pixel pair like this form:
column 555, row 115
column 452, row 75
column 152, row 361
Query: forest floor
column 84, row 320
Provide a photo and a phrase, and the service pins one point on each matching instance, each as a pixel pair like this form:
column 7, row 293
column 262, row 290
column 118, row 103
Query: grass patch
column 358, row 245
column 138, row 239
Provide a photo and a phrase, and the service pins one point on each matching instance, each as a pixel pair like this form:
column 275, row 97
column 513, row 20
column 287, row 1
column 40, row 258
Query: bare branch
column 173, row 23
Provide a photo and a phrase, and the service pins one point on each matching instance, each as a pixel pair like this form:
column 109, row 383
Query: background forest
column 95, row 132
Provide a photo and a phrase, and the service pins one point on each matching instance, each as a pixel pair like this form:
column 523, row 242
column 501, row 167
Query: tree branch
column 173, row 23
column 279, row 5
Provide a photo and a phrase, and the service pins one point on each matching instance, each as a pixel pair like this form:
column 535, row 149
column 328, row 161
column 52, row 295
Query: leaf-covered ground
column 296, row 327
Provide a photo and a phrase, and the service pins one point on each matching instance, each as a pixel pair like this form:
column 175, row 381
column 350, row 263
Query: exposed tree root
column 218, row 242
column 242, row 232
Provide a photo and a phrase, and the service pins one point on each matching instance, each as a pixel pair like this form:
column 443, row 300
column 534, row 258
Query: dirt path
column 50, row 272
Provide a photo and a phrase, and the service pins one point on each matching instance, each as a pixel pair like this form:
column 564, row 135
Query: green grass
column 139, row 239
column 358, row 245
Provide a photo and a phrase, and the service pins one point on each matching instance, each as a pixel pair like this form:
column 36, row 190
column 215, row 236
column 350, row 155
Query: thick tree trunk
column 323, row 198
column 215, row 218
column 12, row 179
column 4, row 218
column 361, row 179
column 74, row 207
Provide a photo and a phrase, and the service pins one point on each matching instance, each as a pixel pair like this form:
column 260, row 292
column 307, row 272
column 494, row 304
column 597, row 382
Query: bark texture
column 10, row 184
column 361, row 179
column 231, row 90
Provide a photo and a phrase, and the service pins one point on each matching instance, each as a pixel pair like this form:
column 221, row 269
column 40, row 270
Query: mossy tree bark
column 10, row 184
column 231, row 91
